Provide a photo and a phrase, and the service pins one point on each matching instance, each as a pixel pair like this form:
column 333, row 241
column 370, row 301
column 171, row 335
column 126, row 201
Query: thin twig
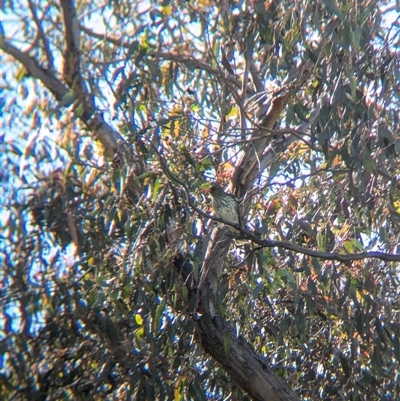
column 280, row 244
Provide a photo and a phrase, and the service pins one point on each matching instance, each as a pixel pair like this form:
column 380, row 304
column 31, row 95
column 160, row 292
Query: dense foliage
column 116, row 116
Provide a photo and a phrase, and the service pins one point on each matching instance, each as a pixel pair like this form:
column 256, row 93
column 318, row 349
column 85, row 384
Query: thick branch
column 241, row 362
column 107, row 135
column 246, row 170
column 233, row 353
column 52, row 83
column 71, row 55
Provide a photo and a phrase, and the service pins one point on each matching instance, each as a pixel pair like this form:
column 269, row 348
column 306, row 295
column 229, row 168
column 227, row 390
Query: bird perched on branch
column 225, row 206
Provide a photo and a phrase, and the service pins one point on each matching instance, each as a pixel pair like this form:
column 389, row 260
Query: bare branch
column 389, row 257
column 42, row 35
column 280, row 244
column 71, row 55
column 246, row 169
column 258, row 83
column 48, row 79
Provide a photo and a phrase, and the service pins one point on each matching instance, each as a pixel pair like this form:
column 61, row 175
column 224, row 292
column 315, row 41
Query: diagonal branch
column 246, row 170
column 72, row 39
column 48, row 79
column 390, row 257
column 42, row 35
column 107, row 135
column 243, row 364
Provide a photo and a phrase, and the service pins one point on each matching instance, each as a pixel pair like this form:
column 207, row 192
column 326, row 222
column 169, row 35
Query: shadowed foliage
column 118, row 281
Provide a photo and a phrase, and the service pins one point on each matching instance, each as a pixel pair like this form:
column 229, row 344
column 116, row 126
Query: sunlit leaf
column 138, row 319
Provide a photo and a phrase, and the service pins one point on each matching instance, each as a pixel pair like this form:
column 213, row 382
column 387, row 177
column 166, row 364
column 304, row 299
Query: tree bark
column 241, row 362
column 233, row 353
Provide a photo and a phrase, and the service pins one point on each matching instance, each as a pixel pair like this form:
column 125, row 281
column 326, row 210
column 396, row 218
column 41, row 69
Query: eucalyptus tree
column 119, row 282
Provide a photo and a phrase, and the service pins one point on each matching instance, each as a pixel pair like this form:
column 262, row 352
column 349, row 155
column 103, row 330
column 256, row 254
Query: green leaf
column 300, row 110
column 332, row 6
column 357, row 37
column 227, row 343
column 68, row 99
column 157, row 317
column 99, row 299
column 345, row 365
column 316, row 266
column 138, row 320
column 22, row 73
column 156, row 187
column 396, row 346
column 184, row 293
column 79, row 109
column 311, row 286
column 353, row 84
column 257, row 289
column 348, row 246
column 357, row 244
